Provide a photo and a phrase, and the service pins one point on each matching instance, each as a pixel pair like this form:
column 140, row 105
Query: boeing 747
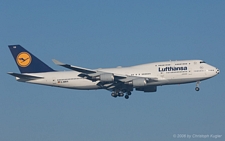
column 121, row 81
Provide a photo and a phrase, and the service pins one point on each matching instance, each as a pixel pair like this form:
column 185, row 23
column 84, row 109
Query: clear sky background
column 98, row 34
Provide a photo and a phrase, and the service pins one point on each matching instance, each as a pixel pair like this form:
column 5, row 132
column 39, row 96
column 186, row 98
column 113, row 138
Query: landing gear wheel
column 128, row 93
column 197, row 88
column 126, row 96
column 114, row 95
column 121, row 94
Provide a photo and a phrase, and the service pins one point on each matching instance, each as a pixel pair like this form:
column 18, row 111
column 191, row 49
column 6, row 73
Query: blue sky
column 98, row 34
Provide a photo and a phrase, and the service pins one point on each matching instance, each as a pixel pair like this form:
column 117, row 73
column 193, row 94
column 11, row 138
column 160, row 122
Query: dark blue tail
column 27, row 62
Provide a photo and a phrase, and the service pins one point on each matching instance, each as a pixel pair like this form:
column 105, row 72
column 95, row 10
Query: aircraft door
column 189, row 71
column 54, row 81
column 161, row 74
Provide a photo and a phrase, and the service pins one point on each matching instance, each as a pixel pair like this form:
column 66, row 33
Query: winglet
column 57, row 62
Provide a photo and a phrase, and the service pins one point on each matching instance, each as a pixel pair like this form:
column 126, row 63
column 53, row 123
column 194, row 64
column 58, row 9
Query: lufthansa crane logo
column 23, row 59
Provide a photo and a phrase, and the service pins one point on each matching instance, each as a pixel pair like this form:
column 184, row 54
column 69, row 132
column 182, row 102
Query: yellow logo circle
column 23, row 59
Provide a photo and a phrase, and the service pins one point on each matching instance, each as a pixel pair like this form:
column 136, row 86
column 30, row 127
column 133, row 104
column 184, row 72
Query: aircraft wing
column 119, row 80
column 75, row 68
column 84, row 72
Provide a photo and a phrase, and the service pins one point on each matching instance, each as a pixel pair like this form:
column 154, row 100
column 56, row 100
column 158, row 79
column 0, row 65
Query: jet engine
column 106, row 77
column 139, row 82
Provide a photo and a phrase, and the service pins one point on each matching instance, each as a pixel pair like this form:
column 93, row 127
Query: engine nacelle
column 107, row 77
column 139, row 82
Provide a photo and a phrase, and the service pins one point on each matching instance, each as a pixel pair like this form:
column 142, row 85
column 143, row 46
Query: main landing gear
column 197, row 86
column 127, row 95
column 115, row 94
column 121, row 94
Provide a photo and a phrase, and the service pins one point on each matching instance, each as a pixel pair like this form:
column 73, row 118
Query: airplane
column 121, row 81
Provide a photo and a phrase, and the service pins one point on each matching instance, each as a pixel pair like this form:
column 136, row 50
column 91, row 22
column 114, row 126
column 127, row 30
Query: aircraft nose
column 217, row 71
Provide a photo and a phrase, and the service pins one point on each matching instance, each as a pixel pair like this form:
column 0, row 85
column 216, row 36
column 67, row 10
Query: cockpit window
column 202, row 62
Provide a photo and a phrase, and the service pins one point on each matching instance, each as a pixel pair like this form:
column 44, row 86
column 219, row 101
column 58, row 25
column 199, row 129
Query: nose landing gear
column 197, row 86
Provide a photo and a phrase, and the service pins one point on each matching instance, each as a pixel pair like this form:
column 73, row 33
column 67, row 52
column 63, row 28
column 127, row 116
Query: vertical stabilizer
column 27, row 62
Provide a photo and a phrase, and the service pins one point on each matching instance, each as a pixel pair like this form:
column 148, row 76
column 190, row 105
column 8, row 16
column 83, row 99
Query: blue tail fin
column 27, row 62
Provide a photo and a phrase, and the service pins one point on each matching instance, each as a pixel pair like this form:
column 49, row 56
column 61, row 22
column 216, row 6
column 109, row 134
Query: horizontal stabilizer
column 25, row 76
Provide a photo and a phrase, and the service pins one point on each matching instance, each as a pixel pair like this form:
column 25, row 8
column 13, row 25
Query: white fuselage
column 170, row 72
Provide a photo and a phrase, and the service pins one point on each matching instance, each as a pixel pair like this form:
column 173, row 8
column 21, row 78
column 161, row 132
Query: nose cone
column 217, row 71
column 213, row 71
